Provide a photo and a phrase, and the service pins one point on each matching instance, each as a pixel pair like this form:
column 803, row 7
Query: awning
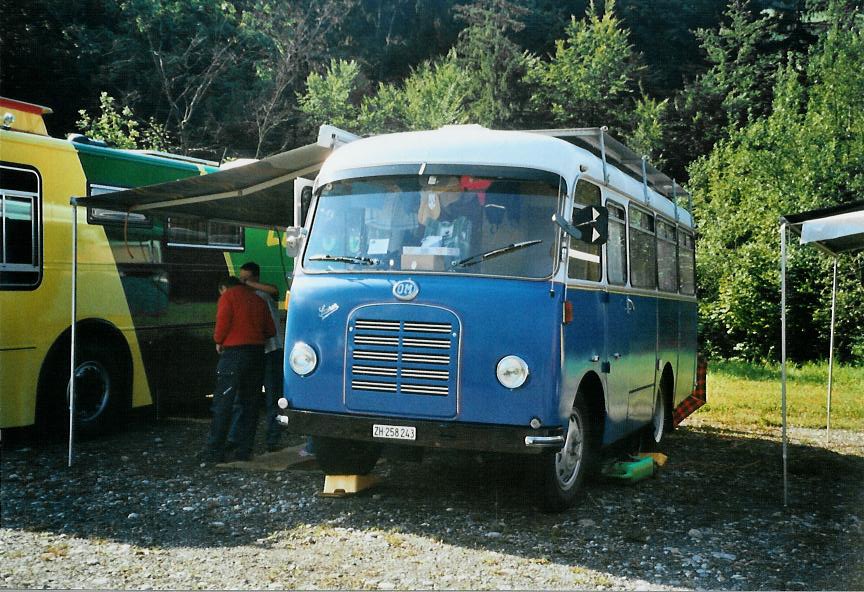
column 836, row 229
column 255, row 194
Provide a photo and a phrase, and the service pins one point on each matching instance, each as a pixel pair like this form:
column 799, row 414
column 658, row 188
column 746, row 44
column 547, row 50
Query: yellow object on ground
column 342, row 485
column 659, row 458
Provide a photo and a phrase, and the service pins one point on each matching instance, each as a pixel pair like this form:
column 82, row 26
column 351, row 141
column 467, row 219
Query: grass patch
column 749, row 394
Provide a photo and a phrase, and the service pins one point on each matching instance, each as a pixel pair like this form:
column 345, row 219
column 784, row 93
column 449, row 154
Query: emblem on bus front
column 406, row 289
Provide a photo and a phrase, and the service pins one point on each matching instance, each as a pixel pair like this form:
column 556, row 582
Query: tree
column 744, row 55
column 495, row 63
column 120, row 128
column 294, row 38
column 590, row 79
column 808, row 153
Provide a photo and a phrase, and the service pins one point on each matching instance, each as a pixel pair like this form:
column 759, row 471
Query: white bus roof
column 542, row 150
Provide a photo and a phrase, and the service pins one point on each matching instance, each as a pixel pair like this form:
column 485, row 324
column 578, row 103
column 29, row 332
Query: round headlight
column 512, row 371
column 303, row 359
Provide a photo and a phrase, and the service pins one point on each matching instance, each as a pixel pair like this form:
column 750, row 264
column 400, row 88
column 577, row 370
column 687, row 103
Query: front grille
column 402, row 357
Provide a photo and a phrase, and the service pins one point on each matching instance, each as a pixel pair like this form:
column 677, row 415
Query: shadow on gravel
column 712, row 518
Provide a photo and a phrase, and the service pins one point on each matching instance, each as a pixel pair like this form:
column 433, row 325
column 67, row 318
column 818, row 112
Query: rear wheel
column 563, row 472
column 102, row 391
column 337, row 456
column 652, row 434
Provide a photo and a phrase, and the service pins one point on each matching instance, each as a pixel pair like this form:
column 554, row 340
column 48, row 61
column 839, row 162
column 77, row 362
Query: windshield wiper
column 474, row 259
column 344, row 259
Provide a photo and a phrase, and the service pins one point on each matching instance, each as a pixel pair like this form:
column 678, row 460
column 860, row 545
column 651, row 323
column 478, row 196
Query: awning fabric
column 836, row 229
column 255, row 194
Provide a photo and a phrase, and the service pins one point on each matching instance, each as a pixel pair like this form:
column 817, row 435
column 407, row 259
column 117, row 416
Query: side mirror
column 294, row 237
column 590, row 225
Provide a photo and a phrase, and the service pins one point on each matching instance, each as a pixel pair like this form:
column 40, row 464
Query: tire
column 563, row 472
column 345, row 457
column 103, row 394
column 661, row 418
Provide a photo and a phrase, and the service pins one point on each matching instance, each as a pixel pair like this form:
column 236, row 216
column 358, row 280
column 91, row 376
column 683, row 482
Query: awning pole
column 74, row 327
column 831, row 348
column 783, row 356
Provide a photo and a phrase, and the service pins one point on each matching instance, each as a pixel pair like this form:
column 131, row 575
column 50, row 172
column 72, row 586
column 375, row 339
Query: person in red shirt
column 243, row 324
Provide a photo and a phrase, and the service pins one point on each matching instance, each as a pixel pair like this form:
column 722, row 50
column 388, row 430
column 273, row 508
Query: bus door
column 618, row 325
column 640, row 309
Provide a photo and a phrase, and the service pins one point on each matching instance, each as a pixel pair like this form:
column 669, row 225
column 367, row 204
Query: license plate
column 393, row 432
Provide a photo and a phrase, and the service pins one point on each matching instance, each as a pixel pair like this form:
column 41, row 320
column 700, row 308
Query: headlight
column 303, row 358
column 512, row 371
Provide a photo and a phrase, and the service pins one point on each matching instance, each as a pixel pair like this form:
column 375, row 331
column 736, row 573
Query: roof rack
column 598, row 141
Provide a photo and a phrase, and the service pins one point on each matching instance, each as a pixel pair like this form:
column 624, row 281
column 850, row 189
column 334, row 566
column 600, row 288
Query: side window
column 104, row 216
column 667, row 257
column 203, row 234
column 20, row 228
column 616, row 246
column 686, row 263
column 584, row 261
column 643, row 262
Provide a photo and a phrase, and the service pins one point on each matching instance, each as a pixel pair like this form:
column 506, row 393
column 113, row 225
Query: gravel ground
column 137, row 511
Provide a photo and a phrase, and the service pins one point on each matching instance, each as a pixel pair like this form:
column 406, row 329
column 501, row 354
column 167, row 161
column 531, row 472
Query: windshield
column 434, row 223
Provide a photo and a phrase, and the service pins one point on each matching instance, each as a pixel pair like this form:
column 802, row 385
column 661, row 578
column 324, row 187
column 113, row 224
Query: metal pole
column 831, row 348
column 783, row 356
column 74, row 327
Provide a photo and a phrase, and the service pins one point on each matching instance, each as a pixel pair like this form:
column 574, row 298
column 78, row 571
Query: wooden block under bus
column 342, row 485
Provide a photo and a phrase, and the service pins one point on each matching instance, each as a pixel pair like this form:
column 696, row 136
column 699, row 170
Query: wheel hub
column 92, row 390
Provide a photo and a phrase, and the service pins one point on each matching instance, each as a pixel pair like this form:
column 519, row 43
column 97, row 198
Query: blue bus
column 505, row 291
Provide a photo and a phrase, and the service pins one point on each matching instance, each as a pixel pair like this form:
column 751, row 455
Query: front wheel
column 563, row 472
column 337, row 456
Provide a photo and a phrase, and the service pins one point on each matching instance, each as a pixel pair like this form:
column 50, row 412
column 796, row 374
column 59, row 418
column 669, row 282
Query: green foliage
column 809, row 152
column 495, row 62
column 646, row 128
column 433, row 95
column 590, row 77
column 744, row 54
column 120, row 128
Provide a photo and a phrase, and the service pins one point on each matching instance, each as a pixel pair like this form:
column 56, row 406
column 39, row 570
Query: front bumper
column 430, row 434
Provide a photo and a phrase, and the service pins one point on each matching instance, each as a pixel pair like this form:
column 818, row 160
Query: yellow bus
column 146, row 286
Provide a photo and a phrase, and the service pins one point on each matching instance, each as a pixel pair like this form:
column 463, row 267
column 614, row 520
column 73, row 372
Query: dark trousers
column 239, row 375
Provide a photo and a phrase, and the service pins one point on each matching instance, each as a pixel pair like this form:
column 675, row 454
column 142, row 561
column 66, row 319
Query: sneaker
column 304, row 453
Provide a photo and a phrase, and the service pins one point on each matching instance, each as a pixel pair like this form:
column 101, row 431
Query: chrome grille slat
column 428, row 327
column 375, row 370
column 378, row 325
column 426, row 358
column 363, row 385
column 422, row 373
column 421, row 342
column 376, row 340
column 376, row 355
column 422, row 389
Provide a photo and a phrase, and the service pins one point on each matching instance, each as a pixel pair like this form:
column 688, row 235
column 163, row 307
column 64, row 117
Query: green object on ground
column 633, row 470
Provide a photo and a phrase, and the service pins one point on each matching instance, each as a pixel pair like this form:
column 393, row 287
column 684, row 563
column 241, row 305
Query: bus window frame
column 663, row 220
column 689, row 233
column 36, row 230
column 653, row 234
column 577, row 205
column 123, row 218
column 234, row 248
column 626, row 260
